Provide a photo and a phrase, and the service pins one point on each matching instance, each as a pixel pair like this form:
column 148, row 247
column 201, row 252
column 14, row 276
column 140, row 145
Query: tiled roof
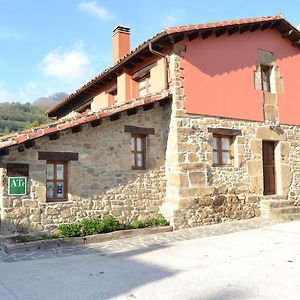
column 84, row 118
column 159, row 36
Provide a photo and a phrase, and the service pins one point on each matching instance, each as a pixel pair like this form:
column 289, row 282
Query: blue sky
column 49, row 46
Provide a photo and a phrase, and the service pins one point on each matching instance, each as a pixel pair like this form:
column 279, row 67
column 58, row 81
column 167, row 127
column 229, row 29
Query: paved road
column 254, row 259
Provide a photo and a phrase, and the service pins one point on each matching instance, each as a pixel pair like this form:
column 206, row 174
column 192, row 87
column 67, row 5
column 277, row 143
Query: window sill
column 138, row 168
column 56, row 200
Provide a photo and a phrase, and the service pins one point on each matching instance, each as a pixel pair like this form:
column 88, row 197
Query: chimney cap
column 121, row 28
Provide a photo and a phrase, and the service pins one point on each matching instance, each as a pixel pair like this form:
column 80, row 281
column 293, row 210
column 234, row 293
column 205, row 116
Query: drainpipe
column 165, row 63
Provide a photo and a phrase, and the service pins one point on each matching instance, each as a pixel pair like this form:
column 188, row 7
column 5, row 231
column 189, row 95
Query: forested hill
column 17, row 116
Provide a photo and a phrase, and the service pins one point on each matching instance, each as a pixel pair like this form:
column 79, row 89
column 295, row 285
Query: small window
column 266, row 78
column 138, row 151
column 222, row 155
column 56, row 176
column 144, row 86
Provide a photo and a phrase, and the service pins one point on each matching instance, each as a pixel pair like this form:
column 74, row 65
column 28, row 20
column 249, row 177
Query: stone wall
column 199, row 193
column 101, row 182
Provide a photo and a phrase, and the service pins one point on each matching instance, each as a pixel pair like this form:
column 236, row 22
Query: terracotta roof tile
column 44, row 130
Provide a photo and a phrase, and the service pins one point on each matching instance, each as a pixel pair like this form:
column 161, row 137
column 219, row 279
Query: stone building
column 199, row 123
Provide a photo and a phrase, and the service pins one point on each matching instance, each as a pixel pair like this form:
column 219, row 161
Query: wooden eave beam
column 221, row 31
column 96, row 123
column 54, row 136
column 131, row 112
column 232, row 30
column 255, row 27
column 115, row 117
column 179, row 37
column 138, row 59
column 76, row 129
column 244, row 28
column 206, row 33
column 193, row 35
column 129, row 65
column 165, row 102
column 275, row 24
column 296, row 42
column 148, row 106
column 4, row 152
column 287, row 33
column 265, row 25
column 29, row 144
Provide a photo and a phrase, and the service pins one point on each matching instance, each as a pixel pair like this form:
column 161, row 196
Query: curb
column 77, row 241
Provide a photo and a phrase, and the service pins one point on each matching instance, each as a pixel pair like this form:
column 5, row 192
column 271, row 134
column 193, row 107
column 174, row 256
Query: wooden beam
column 221, row 31
column 129, row 65
column 96, row 123
column 64, row 156
column 225, row 131
column 275, row 24
column 148, row 106
column 265, row 26
column 139, row 130
column 138, row 59
column 255, row 27
column 193, row 35
column 115, row 117
column 29, row 144
column 165, row 102
column 206, row 33
column 76, row 129
column 179, row 37
column 244, row 28
column 296, row 42
column 21, row 148
column 131, row 112
column 4, row 152
column 287, row 33
column 54, row 136
column 232, row 30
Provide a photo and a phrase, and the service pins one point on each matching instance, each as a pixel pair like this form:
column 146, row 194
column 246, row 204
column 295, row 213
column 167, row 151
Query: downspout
column 165, row 63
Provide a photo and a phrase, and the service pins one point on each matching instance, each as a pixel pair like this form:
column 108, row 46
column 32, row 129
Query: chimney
column 121, row 42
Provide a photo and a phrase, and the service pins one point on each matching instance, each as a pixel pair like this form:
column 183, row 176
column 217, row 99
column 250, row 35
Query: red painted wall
column 218, row 76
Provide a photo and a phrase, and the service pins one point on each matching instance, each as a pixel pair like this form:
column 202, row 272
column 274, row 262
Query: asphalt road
column 262, row 263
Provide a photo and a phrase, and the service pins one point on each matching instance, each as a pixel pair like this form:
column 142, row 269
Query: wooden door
column 269, row 168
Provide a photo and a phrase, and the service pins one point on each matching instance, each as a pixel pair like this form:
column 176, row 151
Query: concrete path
column 254, row 259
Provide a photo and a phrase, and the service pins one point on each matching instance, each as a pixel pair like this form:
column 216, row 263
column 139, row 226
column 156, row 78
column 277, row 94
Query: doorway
column 269, row 167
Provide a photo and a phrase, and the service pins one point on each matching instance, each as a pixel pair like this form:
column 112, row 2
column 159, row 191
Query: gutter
column 165, row 63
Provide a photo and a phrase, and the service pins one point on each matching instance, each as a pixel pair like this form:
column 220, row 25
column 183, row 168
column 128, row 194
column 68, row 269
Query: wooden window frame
column 147, row 86
column 220, row 150
column 266, row 78
column 135, row 152
column 55, row 180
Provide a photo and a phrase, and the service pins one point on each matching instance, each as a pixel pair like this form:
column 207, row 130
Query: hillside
column 47, row 102
column 17, row 116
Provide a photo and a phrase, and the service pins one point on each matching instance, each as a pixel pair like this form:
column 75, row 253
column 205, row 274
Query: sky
column 49, row 46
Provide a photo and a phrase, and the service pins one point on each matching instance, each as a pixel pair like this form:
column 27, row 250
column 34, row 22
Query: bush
column 137, row 224
column 91, row 226
column 69, row 230
column 109, row 224
column 161, row 221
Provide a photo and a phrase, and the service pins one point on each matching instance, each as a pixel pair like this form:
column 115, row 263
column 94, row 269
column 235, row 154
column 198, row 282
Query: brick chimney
column 121, row 42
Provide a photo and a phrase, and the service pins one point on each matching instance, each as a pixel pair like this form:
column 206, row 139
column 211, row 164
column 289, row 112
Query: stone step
column 286, row 217
column 274, row 197
column 285, row 210
column 277, row 203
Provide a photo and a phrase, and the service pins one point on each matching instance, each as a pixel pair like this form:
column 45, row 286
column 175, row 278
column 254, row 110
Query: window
column 56, row 180
column 265, row 78
column 144, row 86
column 138, row 151
column 222, row 150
